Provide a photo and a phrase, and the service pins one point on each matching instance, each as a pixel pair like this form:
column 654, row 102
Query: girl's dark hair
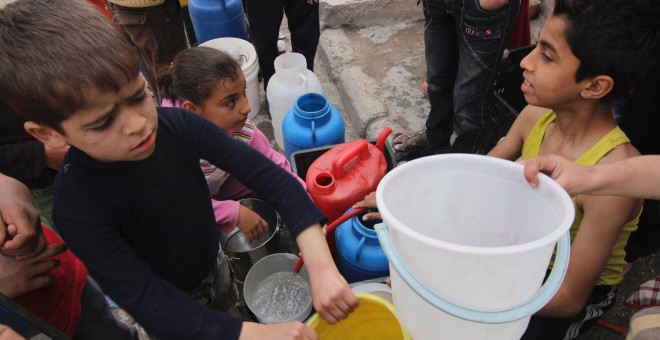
column 195, row 72
column 618, row 38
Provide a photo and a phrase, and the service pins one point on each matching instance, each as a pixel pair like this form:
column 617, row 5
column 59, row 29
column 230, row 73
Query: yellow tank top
column 612, row 274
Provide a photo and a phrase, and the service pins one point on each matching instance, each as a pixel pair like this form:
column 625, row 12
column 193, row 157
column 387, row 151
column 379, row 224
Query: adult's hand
column 19, row 277
column 20, row 230
column 572, row 177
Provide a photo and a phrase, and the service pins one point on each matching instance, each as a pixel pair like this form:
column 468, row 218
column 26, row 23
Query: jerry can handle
column 382, row 137
column 359, row 149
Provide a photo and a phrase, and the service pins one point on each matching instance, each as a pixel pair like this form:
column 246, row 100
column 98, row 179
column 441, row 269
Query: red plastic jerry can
column 343, row 175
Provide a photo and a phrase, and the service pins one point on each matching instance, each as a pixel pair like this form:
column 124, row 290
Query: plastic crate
column 509, row 77
column 303, row 159
column 508, row 98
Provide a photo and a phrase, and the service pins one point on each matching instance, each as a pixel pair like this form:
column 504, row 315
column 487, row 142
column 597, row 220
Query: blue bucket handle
column 525, row 309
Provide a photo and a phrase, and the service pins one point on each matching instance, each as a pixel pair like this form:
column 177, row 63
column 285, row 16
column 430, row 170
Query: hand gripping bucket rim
column 505, row 315
column 380, row 311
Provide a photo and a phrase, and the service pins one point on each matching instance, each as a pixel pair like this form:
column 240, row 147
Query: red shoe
column 425, row 88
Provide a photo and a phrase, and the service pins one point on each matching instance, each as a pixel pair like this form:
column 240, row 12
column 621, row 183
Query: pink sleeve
column 226, row 214
column 166, row 102
column 261, row 144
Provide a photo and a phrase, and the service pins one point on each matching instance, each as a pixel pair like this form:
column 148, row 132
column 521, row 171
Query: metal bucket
column 243, row 254
column 275, row 293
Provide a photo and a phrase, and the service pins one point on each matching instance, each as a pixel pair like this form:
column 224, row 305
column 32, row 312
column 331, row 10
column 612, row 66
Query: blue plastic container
column 217, row 19
column 311, row 122
column 359, row 254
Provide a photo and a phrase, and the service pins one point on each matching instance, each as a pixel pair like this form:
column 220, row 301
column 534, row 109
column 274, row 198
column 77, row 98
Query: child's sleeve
column 260, row 143
column 252, row 168
column 226, row 214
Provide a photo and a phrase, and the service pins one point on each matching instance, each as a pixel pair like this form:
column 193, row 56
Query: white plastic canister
column 246, row 55
column 291, row 80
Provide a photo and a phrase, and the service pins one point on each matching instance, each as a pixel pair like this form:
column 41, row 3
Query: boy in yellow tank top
column 588, row 53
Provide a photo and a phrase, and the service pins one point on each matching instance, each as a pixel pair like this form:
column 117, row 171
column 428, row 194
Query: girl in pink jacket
column 211, row 83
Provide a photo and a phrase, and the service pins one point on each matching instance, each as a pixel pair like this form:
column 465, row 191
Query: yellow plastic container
column 374, row 318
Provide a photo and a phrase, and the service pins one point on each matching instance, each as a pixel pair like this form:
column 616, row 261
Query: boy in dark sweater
column 131, row 201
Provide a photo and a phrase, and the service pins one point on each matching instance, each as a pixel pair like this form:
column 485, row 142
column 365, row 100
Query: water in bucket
column 246, row 55
column 470, row 230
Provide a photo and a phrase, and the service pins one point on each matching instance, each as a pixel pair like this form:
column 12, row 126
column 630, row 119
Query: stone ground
column 370, row 63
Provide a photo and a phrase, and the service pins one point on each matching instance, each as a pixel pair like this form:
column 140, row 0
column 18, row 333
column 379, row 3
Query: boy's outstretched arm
column 332, row 297
column 633, row 177
column 20, row 231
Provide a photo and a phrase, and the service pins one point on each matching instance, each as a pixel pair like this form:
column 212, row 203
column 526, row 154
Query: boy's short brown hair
column 55, row 54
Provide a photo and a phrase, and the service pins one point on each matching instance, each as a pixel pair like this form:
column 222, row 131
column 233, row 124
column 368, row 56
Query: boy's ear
column 188, row 105
column 597, row 87
column 45, row 134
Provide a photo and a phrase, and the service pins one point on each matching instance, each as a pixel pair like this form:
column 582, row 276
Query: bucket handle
column 359, row 149
column 525, row 309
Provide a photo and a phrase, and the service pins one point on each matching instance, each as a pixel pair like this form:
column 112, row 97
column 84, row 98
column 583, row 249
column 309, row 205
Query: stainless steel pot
column 243, row 254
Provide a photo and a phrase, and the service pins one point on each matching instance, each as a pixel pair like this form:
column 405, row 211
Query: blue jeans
column 463, row 48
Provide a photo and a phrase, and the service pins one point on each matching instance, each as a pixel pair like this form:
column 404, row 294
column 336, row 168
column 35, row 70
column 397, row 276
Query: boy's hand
column 251, row 224
column 287, row 330
column 19, row 277
column 333, row 298
column 20, row 231
column 369, row 202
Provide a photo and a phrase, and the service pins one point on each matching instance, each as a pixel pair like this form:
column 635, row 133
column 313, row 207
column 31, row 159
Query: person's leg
column 96, row 319
column 157, row 32
column 303, row 20
column 441, row 52
column 600, row 301
column 218, row 290
column 265, row 18
column 483, row 35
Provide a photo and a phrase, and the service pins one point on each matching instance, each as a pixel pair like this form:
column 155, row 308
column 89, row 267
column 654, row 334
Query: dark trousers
column 96, row 319
column 463, row 48
column 265, row 18
column 543, row 328
column 157, row 32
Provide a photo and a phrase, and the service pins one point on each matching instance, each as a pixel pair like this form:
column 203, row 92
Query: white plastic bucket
column 246, row 55
column 291, row 80
column 469, row 242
